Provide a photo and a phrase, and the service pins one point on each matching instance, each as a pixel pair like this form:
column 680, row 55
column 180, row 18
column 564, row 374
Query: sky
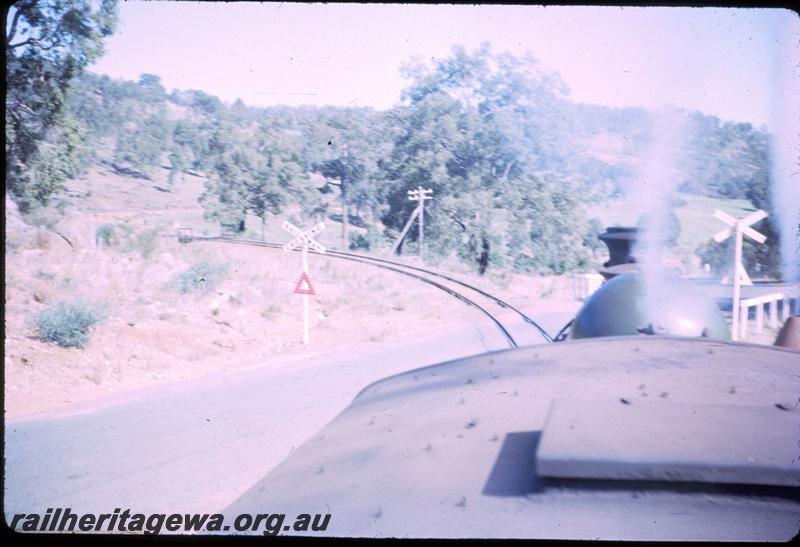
column 721, row 61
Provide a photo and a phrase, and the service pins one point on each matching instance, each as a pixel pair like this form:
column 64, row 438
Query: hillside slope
column 153, row 333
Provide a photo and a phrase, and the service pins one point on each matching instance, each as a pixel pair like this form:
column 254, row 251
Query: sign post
column 420, row 195
column 741, row 227
column 304, row 286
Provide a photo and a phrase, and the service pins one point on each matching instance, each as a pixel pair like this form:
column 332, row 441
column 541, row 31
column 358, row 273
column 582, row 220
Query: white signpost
column 304, row 286
column 420, row 194
column 740, row 227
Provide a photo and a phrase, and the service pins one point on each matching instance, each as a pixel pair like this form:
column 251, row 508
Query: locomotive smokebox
column 622, row 307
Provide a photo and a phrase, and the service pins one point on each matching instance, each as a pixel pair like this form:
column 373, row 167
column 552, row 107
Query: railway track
column 436, row 279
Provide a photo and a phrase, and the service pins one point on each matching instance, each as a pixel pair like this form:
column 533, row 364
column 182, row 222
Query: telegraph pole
column 421, row 194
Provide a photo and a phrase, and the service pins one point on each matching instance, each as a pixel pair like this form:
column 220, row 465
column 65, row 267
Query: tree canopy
column 47, row 45
column 486, row 133
column 511, row 160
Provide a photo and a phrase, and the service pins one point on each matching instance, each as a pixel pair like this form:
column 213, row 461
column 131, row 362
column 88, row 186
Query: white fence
column 769, row 301
column 584, row 284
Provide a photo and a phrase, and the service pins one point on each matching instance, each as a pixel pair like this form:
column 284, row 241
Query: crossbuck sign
column 738, row 227
column 304, row 240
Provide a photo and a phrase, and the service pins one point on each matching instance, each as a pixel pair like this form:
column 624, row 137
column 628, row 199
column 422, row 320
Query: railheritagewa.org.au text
column 64, row 520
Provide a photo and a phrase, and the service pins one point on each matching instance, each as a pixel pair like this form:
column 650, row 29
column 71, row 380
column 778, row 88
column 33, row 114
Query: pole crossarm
column 420, row 194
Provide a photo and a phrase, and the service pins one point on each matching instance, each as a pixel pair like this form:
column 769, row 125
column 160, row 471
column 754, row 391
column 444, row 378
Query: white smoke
column 653, row 192
column 785, row 146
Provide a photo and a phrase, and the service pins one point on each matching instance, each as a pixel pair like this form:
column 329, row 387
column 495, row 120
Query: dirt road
column 198, row 445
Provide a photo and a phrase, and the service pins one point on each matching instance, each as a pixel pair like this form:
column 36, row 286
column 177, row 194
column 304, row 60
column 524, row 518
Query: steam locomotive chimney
column 620, row 241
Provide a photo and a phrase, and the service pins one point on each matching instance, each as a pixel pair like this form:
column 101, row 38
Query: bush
column 105, row 235
column 201, row 277
column 269, row 312
column 358, row 241
column 372, row 240
column 145, row 243
column 67, row 324
column 759, row 260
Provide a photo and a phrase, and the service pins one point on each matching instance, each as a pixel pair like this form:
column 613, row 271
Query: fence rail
column 768, row 301
column 585, row 284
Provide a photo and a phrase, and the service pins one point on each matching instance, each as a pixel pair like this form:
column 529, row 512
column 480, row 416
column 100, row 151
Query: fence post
column 743, row 318
column 773, row 314
column 759, row 317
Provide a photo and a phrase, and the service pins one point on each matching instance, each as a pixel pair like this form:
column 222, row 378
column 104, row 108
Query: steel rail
column 381, row 263
column 499, row 302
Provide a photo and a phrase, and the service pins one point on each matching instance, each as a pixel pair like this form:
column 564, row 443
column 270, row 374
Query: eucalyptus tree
column 254, row 169
column 347, row 155
column 281, row 179
column 233, row 167
column 487, row 133
column 48, row 43
column 141, row 144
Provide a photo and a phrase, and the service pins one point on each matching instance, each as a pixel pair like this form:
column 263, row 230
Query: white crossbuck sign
column 747, row 221
column 738, row 228
column 305, row 240
column 302, row 237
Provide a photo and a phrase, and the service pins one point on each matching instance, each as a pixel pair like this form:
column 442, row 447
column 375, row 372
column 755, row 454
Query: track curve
column 403, row 269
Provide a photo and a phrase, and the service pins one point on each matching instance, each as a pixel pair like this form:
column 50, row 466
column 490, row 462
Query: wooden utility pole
column 421, row 194
column 741, row 227
column 402, row 235
column 343, row 187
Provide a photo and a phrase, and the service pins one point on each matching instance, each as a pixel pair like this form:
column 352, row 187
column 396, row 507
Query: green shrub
column 358, row 241
column 372, row 240
column 200, row 278
column 145, row 243
column 269, row 312
column 105, row 235
column 67, row 323
column 125, row 230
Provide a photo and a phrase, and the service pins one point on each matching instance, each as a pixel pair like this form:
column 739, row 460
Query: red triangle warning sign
column 304, row 285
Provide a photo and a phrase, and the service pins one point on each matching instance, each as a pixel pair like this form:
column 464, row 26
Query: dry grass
column 153, row 333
